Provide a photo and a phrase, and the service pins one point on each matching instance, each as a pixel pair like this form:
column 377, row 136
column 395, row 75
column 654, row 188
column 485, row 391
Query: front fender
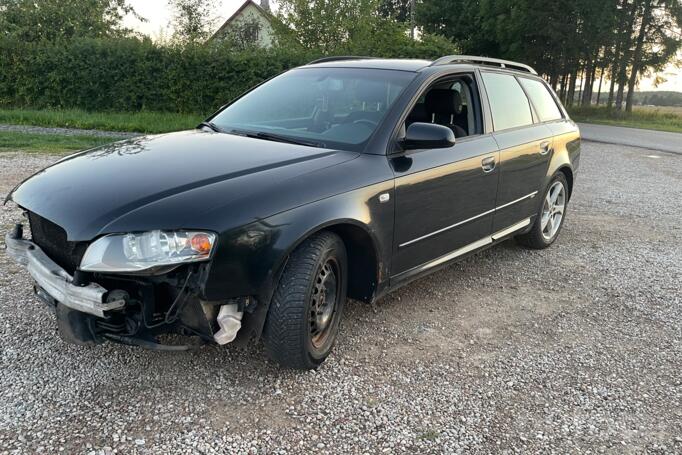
column 250, row 259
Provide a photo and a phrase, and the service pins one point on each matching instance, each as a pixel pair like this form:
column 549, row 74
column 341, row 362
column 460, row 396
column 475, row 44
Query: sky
column 159, row 16
column 673, row 83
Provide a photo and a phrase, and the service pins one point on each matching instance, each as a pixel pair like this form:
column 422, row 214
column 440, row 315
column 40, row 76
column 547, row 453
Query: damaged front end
column 156, row 307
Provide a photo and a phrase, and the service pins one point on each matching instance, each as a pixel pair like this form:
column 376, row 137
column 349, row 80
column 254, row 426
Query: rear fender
column 566, row 154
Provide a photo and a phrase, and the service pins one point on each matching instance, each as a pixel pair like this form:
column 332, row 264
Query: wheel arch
column 568, row 174
column 364, row 265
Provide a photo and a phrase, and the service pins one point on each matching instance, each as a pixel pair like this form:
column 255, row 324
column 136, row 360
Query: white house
column 250, row 25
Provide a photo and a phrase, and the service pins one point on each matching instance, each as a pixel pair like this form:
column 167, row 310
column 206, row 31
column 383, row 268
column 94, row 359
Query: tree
column 459, row 21
column 193, row 20
column 58, row 20
column 242, row 35
column 352, row 27
column 396, row 9
column 626, row 24
column 657, row 39
column 569, row 42
column 333, row 25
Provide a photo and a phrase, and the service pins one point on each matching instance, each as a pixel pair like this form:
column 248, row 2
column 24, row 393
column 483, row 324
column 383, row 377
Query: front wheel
column 305, row 312
column 551, row 216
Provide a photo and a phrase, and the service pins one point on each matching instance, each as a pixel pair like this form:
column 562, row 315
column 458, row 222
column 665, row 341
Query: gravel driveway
column 575, row 348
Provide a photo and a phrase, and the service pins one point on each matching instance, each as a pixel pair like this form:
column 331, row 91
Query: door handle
column 488, row 164
column 544, row 148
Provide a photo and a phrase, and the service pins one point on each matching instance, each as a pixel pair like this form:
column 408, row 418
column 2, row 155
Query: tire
column 301, row 327
column 547, row 225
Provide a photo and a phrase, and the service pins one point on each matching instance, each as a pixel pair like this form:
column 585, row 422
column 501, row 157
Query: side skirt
column 407, row 276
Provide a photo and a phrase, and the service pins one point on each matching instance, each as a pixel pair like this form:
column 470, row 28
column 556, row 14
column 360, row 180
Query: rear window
column 542, row 100
column 508, row 102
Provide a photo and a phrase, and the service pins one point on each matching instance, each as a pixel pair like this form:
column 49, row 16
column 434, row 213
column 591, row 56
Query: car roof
column 416, row 65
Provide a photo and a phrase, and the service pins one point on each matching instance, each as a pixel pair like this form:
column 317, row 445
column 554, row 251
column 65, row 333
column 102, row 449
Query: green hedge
column 131, row 75
column 134, row 75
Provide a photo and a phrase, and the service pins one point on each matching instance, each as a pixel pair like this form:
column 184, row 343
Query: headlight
column 147, row 250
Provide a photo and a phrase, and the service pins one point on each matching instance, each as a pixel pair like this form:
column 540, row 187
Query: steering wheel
column 372, row 124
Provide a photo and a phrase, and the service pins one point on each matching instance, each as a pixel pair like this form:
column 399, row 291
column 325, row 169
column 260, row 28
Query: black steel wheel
column 324, row 305
column 305, row 312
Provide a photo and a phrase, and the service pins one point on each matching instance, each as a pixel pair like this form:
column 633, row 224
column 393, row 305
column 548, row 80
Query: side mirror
column 427, row 136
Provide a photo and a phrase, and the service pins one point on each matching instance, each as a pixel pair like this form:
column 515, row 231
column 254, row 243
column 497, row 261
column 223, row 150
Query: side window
column 451, row 102
column 508, row 102
column 542, row 100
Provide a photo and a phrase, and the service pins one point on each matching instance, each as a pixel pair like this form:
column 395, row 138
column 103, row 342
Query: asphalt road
column 635, row 137
column 577, row 348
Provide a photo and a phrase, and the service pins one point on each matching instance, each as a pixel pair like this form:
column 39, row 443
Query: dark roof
column 376, row 63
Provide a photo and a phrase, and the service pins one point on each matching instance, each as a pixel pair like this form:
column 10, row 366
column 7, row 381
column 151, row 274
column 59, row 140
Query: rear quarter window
column 542, row 100
column 508, row 102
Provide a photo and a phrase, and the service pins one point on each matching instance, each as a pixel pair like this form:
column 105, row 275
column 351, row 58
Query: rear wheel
column 551, row 216
column 305, row 312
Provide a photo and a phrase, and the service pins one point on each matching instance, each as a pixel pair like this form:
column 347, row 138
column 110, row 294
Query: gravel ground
column 64, row 131
column 577, row 348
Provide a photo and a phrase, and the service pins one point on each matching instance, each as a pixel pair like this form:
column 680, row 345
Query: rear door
column 525, row 150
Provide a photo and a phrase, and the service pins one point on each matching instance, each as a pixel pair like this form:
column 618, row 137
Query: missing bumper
column 54, row 280
column 130, row 309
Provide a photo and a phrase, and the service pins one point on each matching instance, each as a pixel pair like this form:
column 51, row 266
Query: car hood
column 170, row 181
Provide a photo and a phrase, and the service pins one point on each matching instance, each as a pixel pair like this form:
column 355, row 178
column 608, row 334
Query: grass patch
column 664, row 119
column 429, row 435
column 49, row 143
column 141, row 122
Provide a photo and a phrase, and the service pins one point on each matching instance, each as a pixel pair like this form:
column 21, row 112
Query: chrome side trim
column 467, row 248
column 410, row 242
column 515, row 227
column 452, row 226
column 459, row 252
column 527, row 196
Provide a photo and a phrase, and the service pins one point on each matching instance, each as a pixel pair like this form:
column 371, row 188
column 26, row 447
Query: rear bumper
column 55, row 281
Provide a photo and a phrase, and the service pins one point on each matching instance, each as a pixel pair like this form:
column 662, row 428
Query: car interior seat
column 443, row 106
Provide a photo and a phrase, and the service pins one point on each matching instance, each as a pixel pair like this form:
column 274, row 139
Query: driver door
column 445, row 201
column 444, row 198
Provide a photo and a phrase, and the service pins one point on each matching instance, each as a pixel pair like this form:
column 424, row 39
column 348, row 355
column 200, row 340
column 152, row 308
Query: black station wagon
column 347, row 177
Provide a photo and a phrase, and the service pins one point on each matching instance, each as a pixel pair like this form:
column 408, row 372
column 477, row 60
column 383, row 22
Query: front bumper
column 55, row 281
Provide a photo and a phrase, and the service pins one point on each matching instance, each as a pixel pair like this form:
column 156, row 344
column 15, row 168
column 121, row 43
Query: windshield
column 330, row 107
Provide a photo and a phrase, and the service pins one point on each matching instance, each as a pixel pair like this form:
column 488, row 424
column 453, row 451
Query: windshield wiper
column 277, row 138
column 210, row 125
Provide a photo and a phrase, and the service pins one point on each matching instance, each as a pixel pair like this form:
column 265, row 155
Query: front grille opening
column 51, row 238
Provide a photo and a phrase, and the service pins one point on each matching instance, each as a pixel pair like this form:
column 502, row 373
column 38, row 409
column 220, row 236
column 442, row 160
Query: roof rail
column 448, row 59
column 338, row 59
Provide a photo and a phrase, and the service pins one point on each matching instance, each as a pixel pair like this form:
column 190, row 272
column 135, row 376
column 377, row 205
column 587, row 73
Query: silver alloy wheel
column 553, row 210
